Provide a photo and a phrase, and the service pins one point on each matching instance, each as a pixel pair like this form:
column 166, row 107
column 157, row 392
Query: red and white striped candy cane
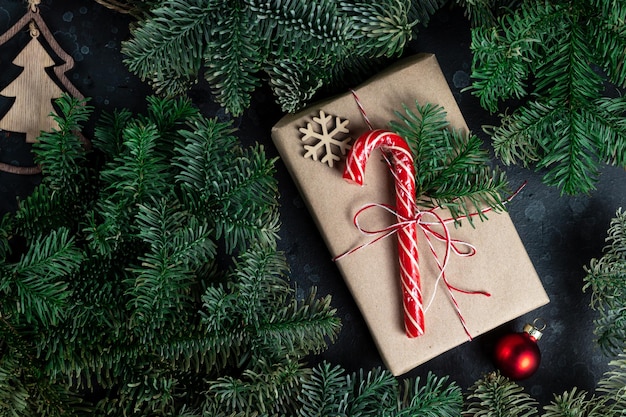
column 404, row 175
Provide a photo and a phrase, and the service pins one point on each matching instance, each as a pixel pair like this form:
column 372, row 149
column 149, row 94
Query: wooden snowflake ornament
column 34, row 90
column 329, row 136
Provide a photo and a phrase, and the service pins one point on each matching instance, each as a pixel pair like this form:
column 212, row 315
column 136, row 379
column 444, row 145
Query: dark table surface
column 561, row 233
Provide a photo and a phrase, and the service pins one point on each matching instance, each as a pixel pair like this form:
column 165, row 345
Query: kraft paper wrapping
column 501, row 265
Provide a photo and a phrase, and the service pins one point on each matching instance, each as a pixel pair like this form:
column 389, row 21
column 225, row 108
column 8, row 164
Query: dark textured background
column 561, row 233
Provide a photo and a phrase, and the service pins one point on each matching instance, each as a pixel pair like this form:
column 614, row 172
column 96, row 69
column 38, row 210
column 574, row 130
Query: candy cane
column 404, row 175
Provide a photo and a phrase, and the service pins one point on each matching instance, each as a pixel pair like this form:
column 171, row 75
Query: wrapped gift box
column 501, row 265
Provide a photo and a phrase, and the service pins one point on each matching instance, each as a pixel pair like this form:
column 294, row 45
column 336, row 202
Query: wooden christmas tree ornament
column 33, row 89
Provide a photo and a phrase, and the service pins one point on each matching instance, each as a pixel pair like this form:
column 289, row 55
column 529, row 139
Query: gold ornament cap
column 535, row 330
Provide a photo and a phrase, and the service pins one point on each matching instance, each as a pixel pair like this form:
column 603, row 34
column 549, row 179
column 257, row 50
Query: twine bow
column 428, row 228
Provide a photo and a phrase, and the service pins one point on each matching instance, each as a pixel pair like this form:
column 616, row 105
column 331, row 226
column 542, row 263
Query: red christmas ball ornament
column 517, row 355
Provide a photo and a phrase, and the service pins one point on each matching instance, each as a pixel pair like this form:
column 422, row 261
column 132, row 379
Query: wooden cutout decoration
column 329, row 137
column 33, row 89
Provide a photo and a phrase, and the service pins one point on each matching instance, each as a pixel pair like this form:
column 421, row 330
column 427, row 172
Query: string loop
column 33, row 5
column 33, row 30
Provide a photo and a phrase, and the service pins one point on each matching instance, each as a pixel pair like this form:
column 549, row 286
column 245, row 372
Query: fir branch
column 370, row 392
column 610, row 329
column 138, row 150
column 323, row 392
column 203, row 351
column 260, row 285
column 108, row 134
column 258, row 305
column 383, row 28
column 220, row 310
column 452, row 170
column 610, row 38
column 311, row 30
column 74, row 113
column 152, row 392
column 245, row 225
column 436, row 397
column 329, row 391
column 25, row 392
column 229, row 185
column 302, row 327
column 422, row 132
column 96, row 315
column 14, row 396
column 606, row 278
column 160, row 288
column 610, row 131
column 35, row 288
column 67, row 176
column 174, row 33
column 516, row 139
column 60, row 152
column 206, row 149
column 139, row 174
column 574, row 403
column 501, row 63
column 170, row 232
column 109, row 299
column 102, row 361
column 6, row 227
column 232, row 60
column 266, row 389
column 466, row 184
column 616, row 236
column 45, row 210
column 15, row 362
column 216, row 413
column 497, row 396
column 569, row 127
column 293, row 83
column 612, row 386
column 170, row 115
column 572, row 86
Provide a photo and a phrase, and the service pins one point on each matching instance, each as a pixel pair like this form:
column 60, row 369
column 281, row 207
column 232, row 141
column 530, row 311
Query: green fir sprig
column 496, row 395
column 613, row 383
column 452, row 169
column 561, row 60
column 606, row 279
